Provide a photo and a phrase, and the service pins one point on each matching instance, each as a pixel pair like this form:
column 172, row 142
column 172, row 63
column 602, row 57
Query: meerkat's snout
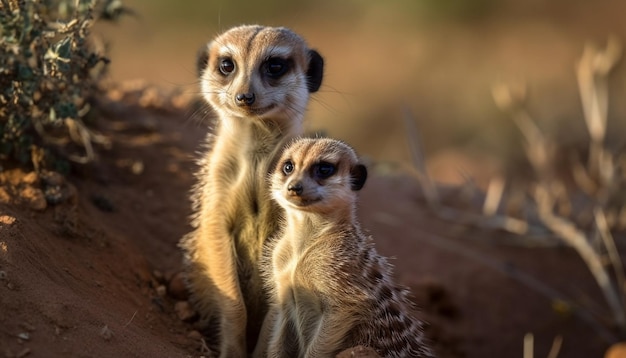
column 245, row 99
column 294, row 189
column 295, row 183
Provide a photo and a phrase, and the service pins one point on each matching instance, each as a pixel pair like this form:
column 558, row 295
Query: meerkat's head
column 318, row 175
column 259, row 72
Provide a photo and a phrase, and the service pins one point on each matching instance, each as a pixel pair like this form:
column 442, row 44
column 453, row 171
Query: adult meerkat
column 330, row 290
column 258, row 80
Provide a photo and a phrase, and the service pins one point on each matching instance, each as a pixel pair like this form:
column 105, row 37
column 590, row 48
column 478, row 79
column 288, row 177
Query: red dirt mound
column 85, row 261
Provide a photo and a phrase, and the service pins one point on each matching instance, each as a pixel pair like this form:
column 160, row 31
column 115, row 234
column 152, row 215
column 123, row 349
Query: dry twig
column 556, row 347
column 577, row 239
column 419, row 161
column 602, row 180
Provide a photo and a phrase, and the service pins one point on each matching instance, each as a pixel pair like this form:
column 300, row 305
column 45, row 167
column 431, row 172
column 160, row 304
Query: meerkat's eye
column 324, row 170
column 227, row 66
column 276, row 67
column 288, row 167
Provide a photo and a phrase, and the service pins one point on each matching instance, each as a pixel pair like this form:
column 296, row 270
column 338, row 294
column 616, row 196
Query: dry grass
column 582, row 213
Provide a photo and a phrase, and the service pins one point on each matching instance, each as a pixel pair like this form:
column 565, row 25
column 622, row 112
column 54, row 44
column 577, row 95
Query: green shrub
column 49, row 74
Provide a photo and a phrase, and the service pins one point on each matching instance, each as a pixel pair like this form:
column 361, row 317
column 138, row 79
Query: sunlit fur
column 329, row 289
column 233, row 213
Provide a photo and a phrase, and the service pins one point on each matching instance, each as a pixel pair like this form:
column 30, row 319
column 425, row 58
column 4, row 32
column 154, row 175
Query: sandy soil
column 87, row 277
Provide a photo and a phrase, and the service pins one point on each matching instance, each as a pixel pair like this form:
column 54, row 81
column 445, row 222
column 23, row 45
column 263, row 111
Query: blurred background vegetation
column 437, row 58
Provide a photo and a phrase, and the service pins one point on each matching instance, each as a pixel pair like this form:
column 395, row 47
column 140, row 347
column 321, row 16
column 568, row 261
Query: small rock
column 167, row 277
column 158, row 275
column 57, row 194
column 161, row 290
column 71, row 193
column 158, row 303
column 106, row 333
column 4, row 196
column 184, row 311
column 177, row 287
column 151, row 98
column 52, row 179
column 3, row 275
column 25, row 336
column 34, row 197
column 195, row 335
column 27, row 326
column 6, row 219
column 143, row 272
column 102, row 203
column 31, row 179
column 617, row 350
column 53, row 194
column 115, row 94
column 181, row 100
column 23, row 353
column 137, row 167
column 358, row 352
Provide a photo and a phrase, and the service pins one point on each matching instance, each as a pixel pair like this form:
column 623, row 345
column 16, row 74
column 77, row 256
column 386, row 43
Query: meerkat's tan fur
column 329, row 288
column 257, row 80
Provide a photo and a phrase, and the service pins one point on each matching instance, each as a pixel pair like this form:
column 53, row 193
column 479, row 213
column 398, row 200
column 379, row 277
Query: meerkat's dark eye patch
column 227, row 66
column 323, row 170
column 288, row 167
column 276, row 66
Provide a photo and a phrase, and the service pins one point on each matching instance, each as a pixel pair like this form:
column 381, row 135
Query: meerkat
column 258, row 81
column 329, row 289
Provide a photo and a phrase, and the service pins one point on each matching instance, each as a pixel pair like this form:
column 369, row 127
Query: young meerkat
column 258, row 81
column 329, row 288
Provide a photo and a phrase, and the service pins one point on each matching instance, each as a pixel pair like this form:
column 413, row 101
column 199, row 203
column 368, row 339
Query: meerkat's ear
column 315, row 72
column 358, row 176
column 202, row 59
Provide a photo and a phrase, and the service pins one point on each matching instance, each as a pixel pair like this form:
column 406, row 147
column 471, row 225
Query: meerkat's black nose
column 245, row 99
column 295, row 189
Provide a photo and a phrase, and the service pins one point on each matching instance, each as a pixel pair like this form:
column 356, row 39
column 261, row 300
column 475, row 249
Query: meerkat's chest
column 237, row 177
column 296, row 279
column 298, row 298
column 284, row 267
column 235, row 198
